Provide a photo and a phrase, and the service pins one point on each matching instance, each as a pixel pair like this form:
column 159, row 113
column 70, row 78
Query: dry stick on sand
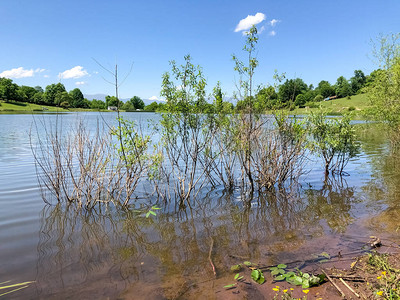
column 349, row 287
column 334, row 284
column 209, row 257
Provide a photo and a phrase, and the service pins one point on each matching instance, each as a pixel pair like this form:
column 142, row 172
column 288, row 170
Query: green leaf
column 258, row 276
column 306, row 275
column 273, row 268
column 230, row 286
column 297, row 280
column 247, row 263
column 279, row 278
column 152, row 212
column 148, row 214
column 236, row 268
column 237, row 276
column 289, row 274
column 324, row 254
column 275, row 272
column 255, row 275
column 282, row 266
column 281, row 271
column 305, row 284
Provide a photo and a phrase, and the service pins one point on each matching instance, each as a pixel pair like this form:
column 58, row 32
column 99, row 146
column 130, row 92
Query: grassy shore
column 357, row 104
column 24, row 107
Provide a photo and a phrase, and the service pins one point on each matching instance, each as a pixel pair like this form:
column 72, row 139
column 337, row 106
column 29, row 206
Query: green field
column 357, row 104
column 24, row 107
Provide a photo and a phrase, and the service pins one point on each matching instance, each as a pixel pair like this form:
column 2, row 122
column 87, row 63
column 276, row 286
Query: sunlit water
column 114, row 254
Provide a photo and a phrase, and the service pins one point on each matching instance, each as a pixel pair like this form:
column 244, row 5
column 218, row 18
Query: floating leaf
column 279, row 278
column 258, row 276
column 240, row 278
column 281, row 271
column 237, row 276
column 324, row 254
column 288, row 274
column 230, row 286
column 152, row 212
column 236, row 268
column 275, row 272
column 273, row 268
column 247, row 263
column 306, row 275
column 155, row 207
column 148, row 214
column 297, row 280
column 305, row 284
column 282, row 266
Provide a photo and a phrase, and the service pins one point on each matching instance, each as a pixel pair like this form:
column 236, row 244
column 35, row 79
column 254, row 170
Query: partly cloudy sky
column 314, row 40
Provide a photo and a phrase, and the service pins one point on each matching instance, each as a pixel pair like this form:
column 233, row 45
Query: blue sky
column 45, row 41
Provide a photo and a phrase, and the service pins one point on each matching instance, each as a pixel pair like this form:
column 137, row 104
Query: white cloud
column 46, row 76
column 75, row 72
column 272, row 33
column 39, row 70
column 273, row 22
column 153, row 98
column 261, row 29
column 246, row 23
column 17, row 73
column 80, row 83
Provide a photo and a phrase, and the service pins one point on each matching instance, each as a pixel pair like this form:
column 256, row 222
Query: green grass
column 26, row 107
column 357, row 104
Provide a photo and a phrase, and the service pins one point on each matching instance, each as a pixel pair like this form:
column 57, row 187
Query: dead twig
column 349, row 287
column 209, row 257
column 334, row 284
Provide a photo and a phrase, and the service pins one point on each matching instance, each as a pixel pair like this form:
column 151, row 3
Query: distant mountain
column 102, row 97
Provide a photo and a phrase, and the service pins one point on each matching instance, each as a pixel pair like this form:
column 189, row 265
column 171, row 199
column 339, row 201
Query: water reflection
column 107, row 251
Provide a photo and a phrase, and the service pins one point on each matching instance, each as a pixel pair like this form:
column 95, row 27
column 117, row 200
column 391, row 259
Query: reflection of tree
column 111, row 251
column 332, row 203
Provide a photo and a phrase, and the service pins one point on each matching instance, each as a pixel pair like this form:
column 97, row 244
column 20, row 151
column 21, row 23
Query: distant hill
column 102, row 97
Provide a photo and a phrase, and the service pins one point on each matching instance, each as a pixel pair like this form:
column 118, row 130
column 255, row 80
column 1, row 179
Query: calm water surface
column 110, row 254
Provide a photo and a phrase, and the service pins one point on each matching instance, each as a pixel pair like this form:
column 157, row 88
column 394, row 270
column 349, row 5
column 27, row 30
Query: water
column 118, row 254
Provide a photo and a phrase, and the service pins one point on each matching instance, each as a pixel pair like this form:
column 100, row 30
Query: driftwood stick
column 349, row 287
column 209, row 257
column 348, row 277
column 334, row 284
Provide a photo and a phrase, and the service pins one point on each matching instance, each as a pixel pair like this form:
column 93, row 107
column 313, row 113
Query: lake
column 110, row 254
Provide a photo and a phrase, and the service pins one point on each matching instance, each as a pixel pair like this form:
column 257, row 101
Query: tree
column 97, row 104
column 289, row 90
column 8, row 89
column 76, row 98
column 343, row 88
column 384, row 91
column 51, row 92
column 218, row 98
column 333, row 139
column 28, row 92
column 137, row 102
column 112, row 101
column 358, row 81
column 266, row 98
column 325, row 89
column 153, row 106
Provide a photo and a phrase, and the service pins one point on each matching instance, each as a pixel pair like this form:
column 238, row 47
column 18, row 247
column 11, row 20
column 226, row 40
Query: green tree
column 267, row 98
column 289, row 90
column 384, row 91
column 28, row 92
column 137, row 102
column 153, row 106
column 325, row 89
column 97, row 104
column 334, row 140
column 358, row 81
column 218, row 98
column 76, row 98
column 50, row 95
column 113, row 101
column 343, row 88
column 8, row 89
